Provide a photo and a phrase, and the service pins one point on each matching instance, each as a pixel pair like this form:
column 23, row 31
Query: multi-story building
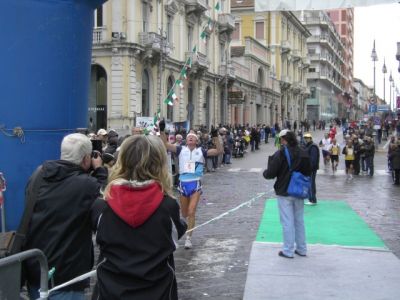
column 344, row 23
column 148, row 54
column 283, row 40
column 362, row 97
column 325, row 76
column 259, row 92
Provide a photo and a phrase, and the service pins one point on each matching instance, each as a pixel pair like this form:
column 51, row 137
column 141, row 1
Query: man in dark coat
column 313, row 152
column 291, row 209
column 60, row 225
column 394, row 158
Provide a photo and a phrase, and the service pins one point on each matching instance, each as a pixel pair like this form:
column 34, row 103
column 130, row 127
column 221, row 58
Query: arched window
column 145, row 94
column 170, row 108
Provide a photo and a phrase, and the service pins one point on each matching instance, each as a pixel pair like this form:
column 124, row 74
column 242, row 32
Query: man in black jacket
column 291, row 209
column 313, row 152
column 60, row 225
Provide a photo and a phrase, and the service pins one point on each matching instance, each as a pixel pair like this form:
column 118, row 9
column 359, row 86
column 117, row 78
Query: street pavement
column 233, row 202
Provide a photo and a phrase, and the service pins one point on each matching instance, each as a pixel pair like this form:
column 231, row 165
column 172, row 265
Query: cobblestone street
column 216, row 267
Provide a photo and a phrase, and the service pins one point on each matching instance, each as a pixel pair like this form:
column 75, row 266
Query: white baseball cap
column 283, row 132
column 102, row 132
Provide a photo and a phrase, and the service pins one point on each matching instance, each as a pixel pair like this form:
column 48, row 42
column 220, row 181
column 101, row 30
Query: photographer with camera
column 63, row 192
column 191, row 164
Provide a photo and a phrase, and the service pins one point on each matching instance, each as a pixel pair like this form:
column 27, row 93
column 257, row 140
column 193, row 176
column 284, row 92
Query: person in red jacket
column 332, row 132
column 139, row 225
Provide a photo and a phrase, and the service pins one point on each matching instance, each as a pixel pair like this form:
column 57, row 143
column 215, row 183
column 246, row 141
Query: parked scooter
column 238, row 147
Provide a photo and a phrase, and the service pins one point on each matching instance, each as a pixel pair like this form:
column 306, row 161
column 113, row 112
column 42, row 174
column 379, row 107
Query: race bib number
column 350, row 151
column 189, row 167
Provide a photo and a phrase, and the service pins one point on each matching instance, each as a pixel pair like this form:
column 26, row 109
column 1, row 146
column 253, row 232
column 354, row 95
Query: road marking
column 343, row 172
column 251, row 170
column 255, row 170
column 247, row 203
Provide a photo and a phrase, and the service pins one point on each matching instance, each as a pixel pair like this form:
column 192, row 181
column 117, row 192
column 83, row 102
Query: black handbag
column 11, row 242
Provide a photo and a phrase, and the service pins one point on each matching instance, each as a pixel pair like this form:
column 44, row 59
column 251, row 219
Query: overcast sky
column 382, row 23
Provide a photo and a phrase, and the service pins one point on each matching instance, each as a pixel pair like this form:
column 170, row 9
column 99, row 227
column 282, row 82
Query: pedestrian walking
column 394, row 158
column 138, row 225
column 191, row 164
column 291, row 209
column 267, row 130
column 61, row 225
column 334, row 151
column 313, row 152
column 324, row 144
column 369, row 151
column 348, row 152
column 357, row 153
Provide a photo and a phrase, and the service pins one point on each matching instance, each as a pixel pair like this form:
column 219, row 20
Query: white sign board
column 145, row 122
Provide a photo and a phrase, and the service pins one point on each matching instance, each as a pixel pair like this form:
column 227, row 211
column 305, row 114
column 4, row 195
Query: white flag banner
column 279, row 5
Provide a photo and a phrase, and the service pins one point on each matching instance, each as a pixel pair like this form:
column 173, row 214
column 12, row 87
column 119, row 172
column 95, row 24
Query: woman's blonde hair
column 141, row 158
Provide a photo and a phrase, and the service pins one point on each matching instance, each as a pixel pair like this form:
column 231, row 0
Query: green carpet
column 328, row 223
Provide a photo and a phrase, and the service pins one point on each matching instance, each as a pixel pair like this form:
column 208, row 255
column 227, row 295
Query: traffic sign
column 372, row 108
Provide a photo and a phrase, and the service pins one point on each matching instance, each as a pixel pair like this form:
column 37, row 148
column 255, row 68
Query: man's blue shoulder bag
column 299, row 185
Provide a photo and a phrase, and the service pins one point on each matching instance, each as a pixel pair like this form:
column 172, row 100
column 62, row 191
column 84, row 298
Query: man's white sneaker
column 310, row 203
column 188, row 244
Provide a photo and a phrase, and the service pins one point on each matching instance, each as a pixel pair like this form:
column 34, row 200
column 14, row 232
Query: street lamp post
column 394, row 97
column 398, row 54
column 384, row 71
column 390, row 95
column 374, row 58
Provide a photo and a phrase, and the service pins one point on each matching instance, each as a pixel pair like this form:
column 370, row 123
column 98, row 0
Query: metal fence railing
column 10, row 274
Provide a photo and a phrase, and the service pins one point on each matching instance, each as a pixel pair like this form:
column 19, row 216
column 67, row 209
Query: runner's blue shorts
column 188, row 188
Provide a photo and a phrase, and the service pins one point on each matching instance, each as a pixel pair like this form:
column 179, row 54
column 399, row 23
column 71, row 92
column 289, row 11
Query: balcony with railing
column 324, row 75
column 228, row 69
column 285, row 46
column 226, row 22
column 154, row 43
column 199, row 61
column 195, row 6
column 99, row 35
column 297, row 86
column 306, row 61
column 285, row 82
column 258, row 50
column 296, row 54
column 306, row 91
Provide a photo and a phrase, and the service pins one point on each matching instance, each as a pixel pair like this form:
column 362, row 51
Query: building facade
column 260, row 93
column 344, row 23
column 147, row 52
column 325, row 78
column 362, row 98
column 283, row 37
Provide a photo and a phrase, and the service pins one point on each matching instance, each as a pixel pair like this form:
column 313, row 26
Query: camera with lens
column 97, row 148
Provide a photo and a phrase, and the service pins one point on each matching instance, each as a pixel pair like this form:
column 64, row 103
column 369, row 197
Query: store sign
column 383, row 108
column 235, row 97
